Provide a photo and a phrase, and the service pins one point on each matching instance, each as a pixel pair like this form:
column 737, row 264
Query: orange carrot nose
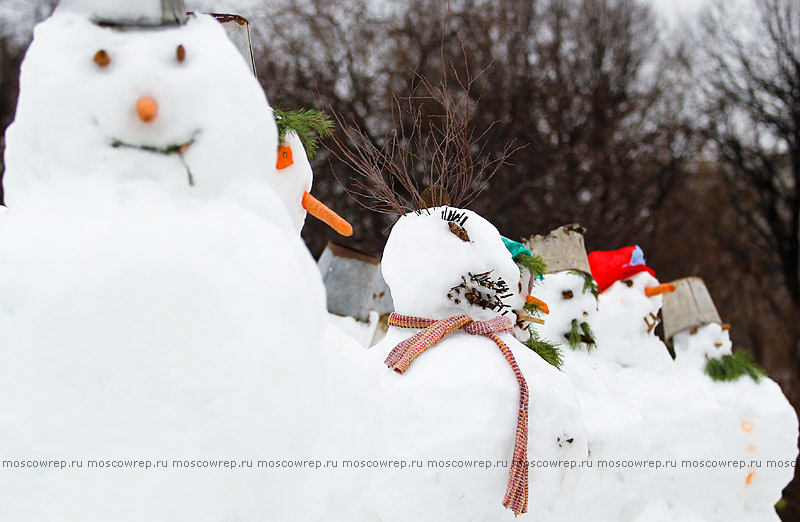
column 147, row 109
column 660, row 289
column 318, row 209
column 538, row 303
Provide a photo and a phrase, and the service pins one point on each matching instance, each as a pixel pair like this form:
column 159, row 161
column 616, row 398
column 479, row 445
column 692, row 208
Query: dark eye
column 458, row 231
column 102, row 58
column 567, row 294
column 180, row 53
column 628, row 282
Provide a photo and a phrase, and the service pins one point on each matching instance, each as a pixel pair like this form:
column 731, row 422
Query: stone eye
column 628, row 282
column 567, row 294
column 180, row 53
column 102, row 58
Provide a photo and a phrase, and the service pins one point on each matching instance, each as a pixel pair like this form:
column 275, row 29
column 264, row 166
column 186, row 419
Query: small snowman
column 629, row 302
column 616, row 429
column 157, row 303
column 476, row 393
column 568, row 287
column 742, row 415
column 299, row 133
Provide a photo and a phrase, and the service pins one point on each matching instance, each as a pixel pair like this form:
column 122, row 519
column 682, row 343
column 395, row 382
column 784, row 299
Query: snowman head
column 629, row 285
column 103, row 103
column 299, row 133
column 445, row 261
column 695, row 346
column 569, row 299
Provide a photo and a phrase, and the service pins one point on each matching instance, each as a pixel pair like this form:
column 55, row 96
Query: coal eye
column 628, row 282
column 567, row 294
column 180, row 53
column 102, row 58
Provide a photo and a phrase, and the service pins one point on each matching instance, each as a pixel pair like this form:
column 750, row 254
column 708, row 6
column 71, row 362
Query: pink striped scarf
column 401, row 357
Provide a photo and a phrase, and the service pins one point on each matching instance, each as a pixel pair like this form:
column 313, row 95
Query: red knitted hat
column 608, row 267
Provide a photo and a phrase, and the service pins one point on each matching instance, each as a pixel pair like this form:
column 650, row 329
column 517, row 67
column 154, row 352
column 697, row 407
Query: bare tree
column 751, row 79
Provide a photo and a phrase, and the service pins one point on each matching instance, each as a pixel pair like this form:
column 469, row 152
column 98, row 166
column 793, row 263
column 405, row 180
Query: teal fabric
column 515, row 247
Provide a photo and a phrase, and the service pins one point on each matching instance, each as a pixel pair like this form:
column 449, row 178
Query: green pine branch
column 580, row 333
column 589, row 284
column 533, row 309
column 588, row 335
column 732, row 367
column 574, row 335
column 533, row 264
column 547, row 350
column 310, row 126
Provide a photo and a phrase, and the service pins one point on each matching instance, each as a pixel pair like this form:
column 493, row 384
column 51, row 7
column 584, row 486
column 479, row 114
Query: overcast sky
column 675, row 11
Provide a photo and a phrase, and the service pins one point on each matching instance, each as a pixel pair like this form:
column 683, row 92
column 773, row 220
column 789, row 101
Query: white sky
column 676, row 11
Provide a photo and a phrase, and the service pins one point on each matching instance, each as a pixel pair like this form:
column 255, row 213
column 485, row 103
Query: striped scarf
column 401, row 357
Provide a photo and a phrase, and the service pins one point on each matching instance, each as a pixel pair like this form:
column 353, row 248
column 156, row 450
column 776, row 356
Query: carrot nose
column 660, row 289
column 538, row 303
column 147, row 109
column 320, row 211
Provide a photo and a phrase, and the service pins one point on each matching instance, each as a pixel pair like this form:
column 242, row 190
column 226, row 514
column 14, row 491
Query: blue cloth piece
column 515, row 247
column 637, row 258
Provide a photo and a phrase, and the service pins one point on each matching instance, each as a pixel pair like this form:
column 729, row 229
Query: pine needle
column 310, row 126
column 574, row 336
column 534, row 264
column 532, row 309
column 588, row 335
column 731, row 367
column 589, row 284
column 547, row 350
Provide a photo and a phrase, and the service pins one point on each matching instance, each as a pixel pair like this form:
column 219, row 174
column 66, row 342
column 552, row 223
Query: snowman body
column 750, row 423
column 617, row 432
column 454, row 412
column 145, row 318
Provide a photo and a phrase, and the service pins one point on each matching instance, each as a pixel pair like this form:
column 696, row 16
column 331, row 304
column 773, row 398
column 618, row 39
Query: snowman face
column 448, row 261
column 565, row 297
column 629, row 297
column 695, row 346
column 176, row 104
column 293, row 180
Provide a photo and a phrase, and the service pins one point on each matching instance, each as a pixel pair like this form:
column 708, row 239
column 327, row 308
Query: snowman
column 298, row 134
column 162, row 323
column 742, row 415
column 567, row 287
column 629, row 301
column 480, row 421
column 616, row 429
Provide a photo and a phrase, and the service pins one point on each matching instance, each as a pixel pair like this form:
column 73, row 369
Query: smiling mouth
column 168, row 150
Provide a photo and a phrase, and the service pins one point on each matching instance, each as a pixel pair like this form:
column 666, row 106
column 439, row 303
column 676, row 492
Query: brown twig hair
column 432, row 143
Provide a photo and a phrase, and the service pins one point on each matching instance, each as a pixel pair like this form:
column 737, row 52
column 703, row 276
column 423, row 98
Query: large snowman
column 162, row 323
column 740, row 415
column 476, row 401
